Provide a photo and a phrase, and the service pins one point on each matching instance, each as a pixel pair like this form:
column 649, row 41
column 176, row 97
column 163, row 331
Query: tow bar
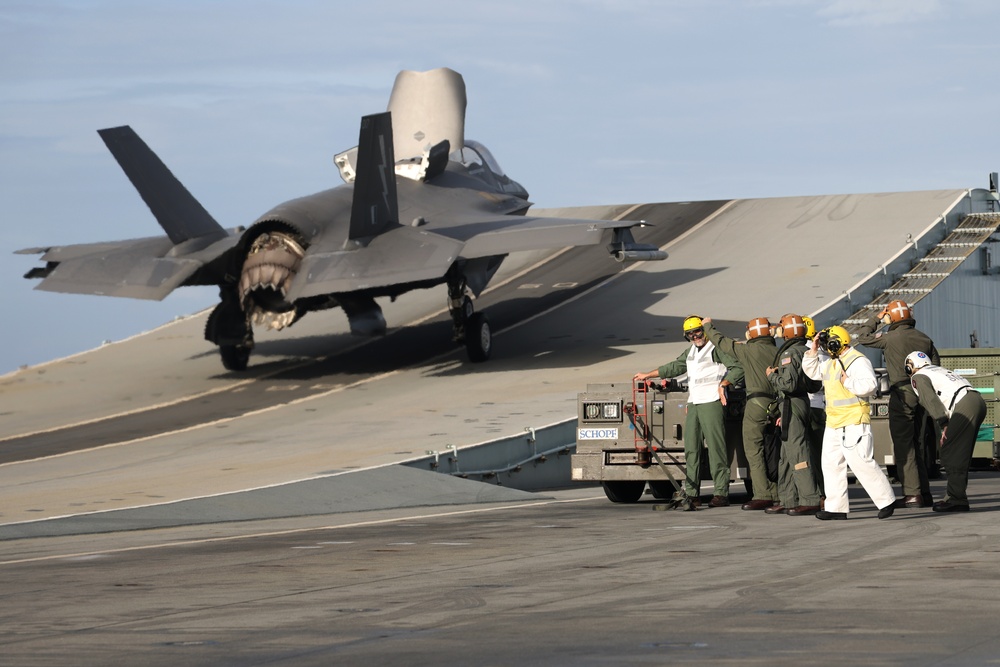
column 646, row 448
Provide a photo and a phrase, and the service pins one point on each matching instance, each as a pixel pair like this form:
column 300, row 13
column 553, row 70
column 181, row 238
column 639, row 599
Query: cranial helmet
column 757, row 327
column 834, row 339
column 693, row 327
column 792, row 326
column 691, row 323
column 840, row 333
column 898, row 311
column 810, row 326
column 915, row 360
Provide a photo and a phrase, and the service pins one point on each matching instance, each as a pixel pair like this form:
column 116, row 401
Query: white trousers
column 852, row 446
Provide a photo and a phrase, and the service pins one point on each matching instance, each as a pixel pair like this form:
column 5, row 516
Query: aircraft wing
column 402, row 255
column 409, row 254
column 148, row 268
column 512, row 233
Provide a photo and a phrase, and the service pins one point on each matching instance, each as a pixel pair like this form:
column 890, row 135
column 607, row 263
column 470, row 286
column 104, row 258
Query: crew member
column 755, row 355
column 959, row 411
column 709, row 373
column 817, row 405
column 798, row 488
column 905, row 416
column 848, row 377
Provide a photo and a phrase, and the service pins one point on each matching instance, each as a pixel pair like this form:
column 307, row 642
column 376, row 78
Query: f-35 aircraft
column 443, row 214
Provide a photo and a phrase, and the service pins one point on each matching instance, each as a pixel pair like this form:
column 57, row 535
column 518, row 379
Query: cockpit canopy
column 480, row 163
column 476, row 159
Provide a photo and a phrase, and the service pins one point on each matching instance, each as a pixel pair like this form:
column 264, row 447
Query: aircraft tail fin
column 374, row 207
column 178, row 212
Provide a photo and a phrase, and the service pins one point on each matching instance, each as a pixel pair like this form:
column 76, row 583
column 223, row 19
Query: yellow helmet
column 841, row 334
column 834, row 339
column 694, row 329
column 810, row 326
column 691, row 323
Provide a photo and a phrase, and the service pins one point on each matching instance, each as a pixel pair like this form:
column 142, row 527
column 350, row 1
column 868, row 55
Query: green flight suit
column 899, row 340
column 798, row 471
column 705, row 422
column 754, row 356
column 963, row 428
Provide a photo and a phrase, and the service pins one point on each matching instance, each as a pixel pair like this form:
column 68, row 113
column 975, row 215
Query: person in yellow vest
column 848, row 377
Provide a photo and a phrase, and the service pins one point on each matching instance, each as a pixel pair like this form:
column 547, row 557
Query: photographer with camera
column 848, row 378
column 709, row 373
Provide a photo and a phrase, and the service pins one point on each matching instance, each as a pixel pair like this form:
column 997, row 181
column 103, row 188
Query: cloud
column 877, row 13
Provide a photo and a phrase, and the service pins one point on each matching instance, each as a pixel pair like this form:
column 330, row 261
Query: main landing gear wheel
column 235, row 357
column 468, row 310
column 623, row 492
column 478, row 337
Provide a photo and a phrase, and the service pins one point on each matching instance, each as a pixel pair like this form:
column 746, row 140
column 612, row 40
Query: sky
column 582, row 101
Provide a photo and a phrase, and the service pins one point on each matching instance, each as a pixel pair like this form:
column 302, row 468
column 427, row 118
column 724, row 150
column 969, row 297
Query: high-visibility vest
column 704, row 374
column 842, row 407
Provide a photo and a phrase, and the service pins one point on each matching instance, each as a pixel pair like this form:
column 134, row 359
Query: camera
column 824, row 338
column 832, row 345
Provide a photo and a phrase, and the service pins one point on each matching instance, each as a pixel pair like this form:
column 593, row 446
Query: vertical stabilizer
column 374, row 206
column 427, row 108
column 177, row 211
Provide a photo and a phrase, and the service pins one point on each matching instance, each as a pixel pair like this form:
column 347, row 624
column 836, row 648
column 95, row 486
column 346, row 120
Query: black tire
column 662, row 490
column 234, row 357
column 623, row 492
column 478, row 337
column 468, row 310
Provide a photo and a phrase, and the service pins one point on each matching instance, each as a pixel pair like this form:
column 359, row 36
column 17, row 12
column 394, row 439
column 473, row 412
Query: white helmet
column 915, row 360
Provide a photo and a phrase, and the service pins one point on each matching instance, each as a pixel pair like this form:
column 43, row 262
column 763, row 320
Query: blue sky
column 583, row 102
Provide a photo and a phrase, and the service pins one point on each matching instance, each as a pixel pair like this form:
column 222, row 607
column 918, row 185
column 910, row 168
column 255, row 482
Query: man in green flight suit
column 900, row 339
column 958, row 410
column 798, row 483
column 755, row 355
column 709, row 372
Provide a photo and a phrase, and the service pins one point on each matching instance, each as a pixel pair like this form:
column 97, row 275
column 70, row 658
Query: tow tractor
column 631, row 436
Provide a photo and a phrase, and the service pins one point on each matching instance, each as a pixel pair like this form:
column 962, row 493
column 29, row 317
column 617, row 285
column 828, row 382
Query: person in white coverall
column 848, row 377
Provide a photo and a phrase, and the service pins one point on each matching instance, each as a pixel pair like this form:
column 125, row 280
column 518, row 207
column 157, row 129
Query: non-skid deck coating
column 317, row 400
column 227, row 527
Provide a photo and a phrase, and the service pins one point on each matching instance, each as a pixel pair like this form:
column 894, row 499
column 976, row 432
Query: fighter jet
column 421, row 206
